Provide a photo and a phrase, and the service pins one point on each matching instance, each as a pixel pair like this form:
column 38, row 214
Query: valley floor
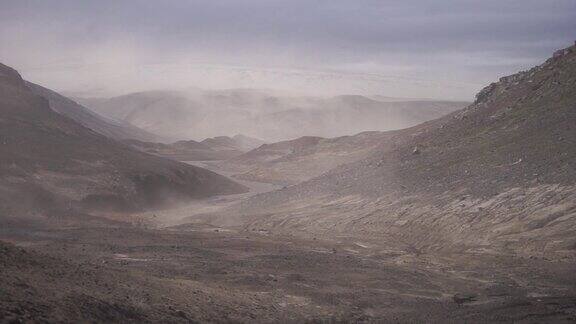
column 206, row 274
column 170, row 271
column 194, row 210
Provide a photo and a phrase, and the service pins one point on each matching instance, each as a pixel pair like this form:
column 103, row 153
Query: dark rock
column 461, row 298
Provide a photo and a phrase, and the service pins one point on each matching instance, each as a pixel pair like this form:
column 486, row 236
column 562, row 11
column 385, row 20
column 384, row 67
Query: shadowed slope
column 48, row 161
column 87, row 118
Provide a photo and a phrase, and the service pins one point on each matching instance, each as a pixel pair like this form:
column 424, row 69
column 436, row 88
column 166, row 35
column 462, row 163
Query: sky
column 443, row 49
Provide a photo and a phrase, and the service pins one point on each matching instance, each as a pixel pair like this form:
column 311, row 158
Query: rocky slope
column 499, row 175
column 264, row 114
column 50, row 162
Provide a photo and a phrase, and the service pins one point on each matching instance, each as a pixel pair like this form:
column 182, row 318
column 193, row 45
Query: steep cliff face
column 499, row 174
column 48, row 161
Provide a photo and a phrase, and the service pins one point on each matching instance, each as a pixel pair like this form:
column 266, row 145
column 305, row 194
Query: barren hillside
column 89, row 119
column 210, row 149
column 498, row 175
column 291, row 162
column 49, row 162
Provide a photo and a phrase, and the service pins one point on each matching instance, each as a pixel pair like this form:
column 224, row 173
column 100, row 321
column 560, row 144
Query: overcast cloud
column 438, row 49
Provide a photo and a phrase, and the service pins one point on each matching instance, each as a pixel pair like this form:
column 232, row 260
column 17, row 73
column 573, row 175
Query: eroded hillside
column 498, row 175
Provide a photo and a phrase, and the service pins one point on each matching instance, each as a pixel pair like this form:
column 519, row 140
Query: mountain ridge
column 500, row 171
column 49, row 162
column 90, row 119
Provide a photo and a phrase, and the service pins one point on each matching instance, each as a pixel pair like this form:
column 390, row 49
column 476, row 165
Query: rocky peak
column 508, row 82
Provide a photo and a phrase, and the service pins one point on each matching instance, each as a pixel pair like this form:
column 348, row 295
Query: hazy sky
column 408, row 48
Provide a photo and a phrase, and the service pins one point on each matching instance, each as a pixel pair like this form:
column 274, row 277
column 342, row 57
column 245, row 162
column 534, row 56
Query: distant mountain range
column 268, row 115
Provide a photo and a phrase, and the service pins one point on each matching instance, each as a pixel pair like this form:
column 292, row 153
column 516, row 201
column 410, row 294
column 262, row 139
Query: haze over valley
column 264, row 114
column 287, row 162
